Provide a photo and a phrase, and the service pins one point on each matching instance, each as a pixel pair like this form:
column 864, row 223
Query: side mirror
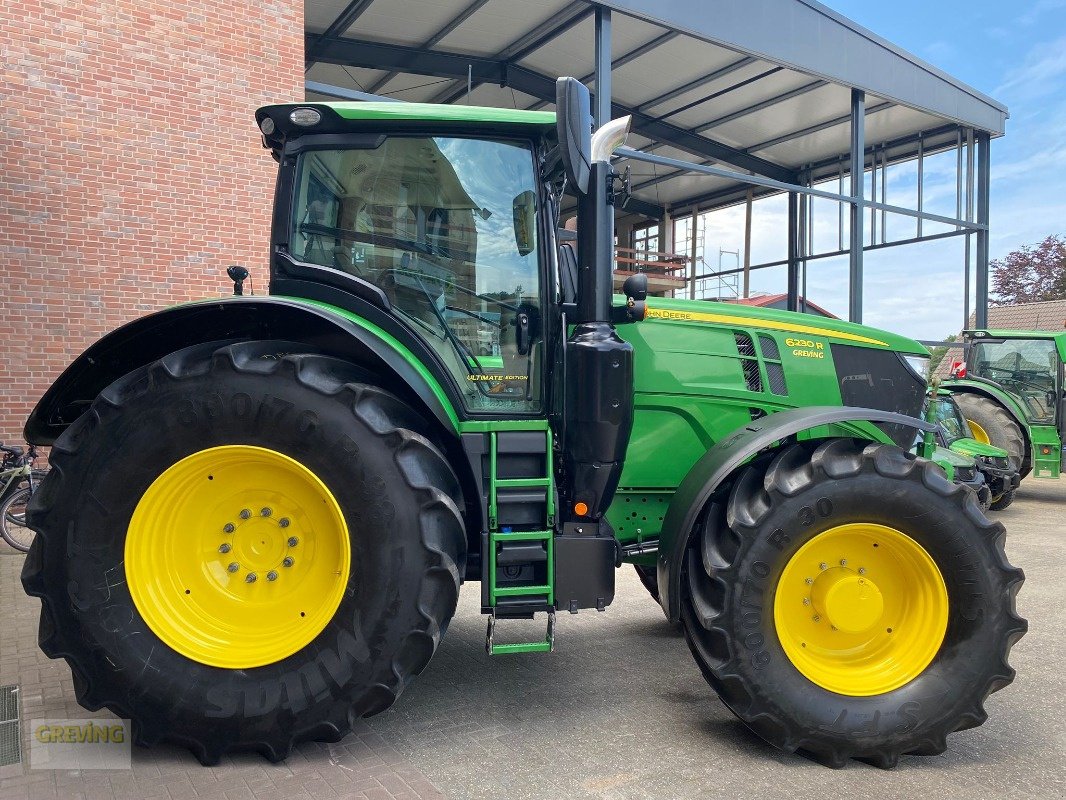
column 523, row 208
column 573, row 125
column 635, row 289
column 238, row 275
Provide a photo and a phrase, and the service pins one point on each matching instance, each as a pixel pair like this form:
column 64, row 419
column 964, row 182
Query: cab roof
column 348, row 117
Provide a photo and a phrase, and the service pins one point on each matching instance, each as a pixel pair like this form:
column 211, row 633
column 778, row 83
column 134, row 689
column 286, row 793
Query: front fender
column 993, row 392
column 722, row 460
column 321, row 328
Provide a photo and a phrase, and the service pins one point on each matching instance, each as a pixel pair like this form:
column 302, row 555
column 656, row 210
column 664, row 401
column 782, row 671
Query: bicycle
column 18, row 481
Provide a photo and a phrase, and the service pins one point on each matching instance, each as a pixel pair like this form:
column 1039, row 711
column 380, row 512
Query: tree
column 1031, row 273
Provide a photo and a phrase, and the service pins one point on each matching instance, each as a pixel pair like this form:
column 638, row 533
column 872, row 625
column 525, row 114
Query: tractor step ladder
column 500, row 537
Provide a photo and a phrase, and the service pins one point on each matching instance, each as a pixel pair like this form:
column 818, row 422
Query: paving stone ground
column 619, row 711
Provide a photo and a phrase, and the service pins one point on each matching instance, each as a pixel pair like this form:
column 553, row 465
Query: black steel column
column 793, row 251
column 858, row 165
column 983, row 181
column 602, row 112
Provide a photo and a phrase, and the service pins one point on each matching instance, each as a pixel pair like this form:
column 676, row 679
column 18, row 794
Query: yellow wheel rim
column 979, row 433
column 237, row 556
column 861, row 609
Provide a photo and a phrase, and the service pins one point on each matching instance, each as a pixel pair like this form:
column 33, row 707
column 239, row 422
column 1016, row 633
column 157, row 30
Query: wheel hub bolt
column 245, row 513
column 809, row 581
column 817, row 618
column 224, row 547
column 266, row 512
column 284, row 522
column 843, row 562
column 233, row 567
column 272, row 575
column 293, row 541
column 252, row 577
column 288, row 562
column 862, row 570
column 806, row 601
column 229, row 527
column 823, row 565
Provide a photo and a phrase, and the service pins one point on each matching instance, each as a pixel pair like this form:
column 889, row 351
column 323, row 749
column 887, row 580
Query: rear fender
column 320, row 329
column 718, row 464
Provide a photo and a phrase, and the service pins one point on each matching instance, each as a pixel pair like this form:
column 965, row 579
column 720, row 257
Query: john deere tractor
column 261, row 508
column 954, row 442
column 1011, row 387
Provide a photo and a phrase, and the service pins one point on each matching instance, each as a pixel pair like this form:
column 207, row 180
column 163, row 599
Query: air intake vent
column 744, row 345
column 748, row 361
column 775, row 376
column 769, row 348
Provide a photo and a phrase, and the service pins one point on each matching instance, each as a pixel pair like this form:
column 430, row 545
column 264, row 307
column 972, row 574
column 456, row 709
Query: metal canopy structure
column 731, row 100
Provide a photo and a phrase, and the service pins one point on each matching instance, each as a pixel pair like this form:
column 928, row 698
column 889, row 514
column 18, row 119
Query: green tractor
column 956, row 444
column 261, row 508
column 1011, row 388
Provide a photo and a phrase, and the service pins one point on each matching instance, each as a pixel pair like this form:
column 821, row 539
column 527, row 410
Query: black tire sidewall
column 162, row 421
column 941, row 693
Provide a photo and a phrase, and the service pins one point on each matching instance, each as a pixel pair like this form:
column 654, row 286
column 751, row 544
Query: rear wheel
column 13, row 525
column 991, row 424
column 240, row 550
column 838, row 624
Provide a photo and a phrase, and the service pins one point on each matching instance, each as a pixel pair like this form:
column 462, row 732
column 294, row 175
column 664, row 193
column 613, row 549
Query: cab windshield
column 1027, row 368
column 446, row 228
column 949, row 419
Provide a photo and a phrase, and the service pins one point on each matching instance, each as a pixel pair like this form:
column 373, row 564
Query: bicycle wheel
column 13, row 520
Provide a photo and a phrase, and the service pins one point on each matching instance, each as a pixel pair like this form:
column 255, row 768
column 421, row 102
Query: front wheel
column 240, row 550
column 13, row 527
column 1002, row 501
column 848, row 601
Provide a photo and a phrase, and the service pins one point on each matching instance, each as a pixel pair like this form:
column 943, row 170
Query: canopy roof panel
column 761, row 86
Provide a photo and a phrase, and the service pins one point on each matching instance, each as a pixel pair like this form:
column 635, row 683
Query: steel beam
column 758, row 180
column 858, row 163
column 602, row 110
column 793, row 252
column 380, row 55
column 433, row 40
column 621, row 61
column 837, row 253
column 685, row 88
column 821, row 126
column 983, row 182
column 722, row 92
column 761, row 106
column 342, row 93
column 524, row 45
column 344, row 20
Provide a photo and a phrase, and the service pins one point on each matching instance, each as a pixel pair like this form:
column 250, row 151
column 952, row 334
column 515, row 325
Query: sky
column 1015, row 53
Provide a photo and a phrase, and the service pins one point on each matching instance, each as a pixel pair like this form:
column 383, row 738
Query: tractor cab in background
column 1011, row 388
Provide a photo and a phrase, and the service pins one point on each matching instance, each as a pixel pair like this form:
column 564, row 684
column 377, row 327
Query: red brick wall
column 131, row 171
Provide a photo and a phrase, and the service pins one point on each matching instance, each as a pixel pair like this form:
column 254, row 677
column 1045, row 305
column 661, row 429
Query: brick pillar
column 131, row 171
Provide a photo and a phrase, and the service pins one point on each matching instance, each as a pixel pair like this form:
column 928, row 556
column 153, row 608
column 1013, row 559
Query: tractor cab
column 432, row 220
column 1012, row 389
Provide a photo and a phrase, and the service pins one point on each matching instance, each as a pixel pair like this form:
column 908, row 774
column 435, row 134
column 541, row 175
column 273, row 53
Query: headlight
column 919, row 365
column 305, row 117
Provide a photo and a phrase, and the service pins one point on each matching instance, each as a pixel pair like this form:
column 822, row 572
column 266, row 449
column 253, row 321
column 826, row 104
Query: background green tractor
column 261, row 509
column 999, row 478
column 982, row 467
column 1010, row 386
